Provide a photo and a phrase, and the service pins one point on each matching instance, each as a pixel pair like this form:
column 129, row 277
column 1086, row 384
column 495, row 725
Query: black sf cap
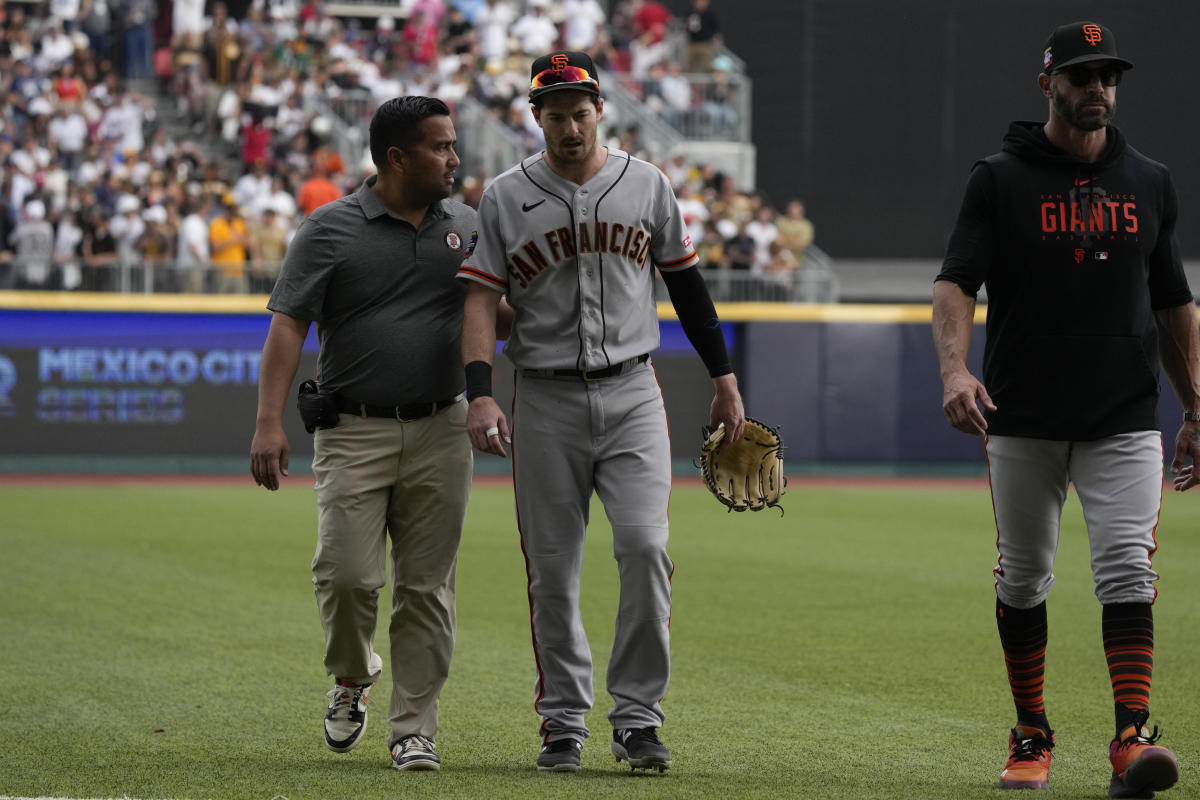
column 1078, row 43
column 563, row 69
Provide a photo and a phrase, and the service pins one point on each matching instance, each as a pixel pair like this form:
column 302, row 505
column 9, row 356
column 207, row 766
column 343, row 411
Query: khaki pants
column 377, row 478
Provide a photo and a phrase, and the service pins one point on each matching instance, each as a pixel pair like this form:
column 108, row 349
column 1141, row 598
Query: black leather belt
column 404, row 413
column 589, row 374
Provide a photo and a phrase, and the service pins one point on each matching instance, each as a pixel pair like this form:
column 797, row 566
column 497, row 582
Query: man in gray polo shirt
column 375, row 270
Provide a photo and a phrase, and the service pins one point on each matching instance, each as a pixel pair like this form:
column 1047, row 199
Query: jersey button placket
column 589, row 288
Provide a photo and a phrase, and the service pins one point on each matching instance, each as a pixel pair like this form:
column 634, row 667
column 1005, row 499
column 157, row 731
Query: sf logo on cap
column 1092, row 34
column 559, row 62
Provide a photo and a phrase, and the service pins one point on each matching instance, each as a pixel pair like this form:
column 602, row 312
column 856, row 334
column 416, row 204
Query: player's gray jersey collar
column 538, row 169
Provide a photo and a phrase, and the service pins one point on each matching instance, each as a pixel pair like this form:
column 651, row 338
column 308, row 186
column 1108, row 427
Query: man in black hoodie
column 1073, row 233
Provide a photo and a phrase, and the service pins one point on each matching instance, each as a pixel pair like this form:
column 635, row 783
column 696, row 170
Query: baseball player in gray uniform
column 572, row 236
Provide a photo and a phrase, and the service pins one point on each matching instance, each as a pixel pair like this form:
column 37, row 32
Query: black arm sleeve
column 698, row 316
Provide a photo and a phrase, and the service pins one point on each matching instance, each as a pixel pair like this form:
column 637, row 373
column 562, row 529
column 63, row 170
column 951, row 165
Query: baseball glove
column 748, row 473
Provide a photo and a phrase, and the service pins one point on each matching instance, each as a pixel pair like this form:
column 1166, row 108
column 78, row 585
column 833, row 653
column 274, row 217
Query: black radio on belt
column 317, row 406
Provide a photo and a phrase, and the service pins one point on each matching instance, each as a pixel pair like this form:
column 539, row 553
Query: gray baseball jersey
column 576, row 261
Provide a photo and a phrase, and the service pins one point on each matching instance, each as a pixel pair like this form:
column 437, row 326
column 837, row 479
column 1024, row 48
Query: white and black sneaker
column 561, row 755
column 642, row 748
column 415, row 753
column 346, row 719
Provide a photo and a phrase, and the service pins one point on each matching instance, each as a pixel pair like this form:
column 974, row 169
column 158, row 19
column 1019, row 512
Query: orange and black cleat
column 1140, row 767
column 1028, row 764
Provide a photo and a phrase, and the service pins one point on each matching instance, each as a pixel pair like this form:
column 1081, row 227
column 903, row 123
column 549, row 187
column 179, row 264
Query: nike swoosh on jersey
column 1083, row 182
column 532, row 206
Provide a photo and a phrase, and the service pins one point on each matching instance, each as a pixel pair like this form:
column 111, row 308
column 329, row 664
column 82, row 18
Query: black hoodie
column 1075, row 257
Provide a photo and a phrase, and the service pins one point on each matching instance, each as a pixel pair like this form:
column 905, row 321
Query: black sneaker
column 346, row 717
column 642, row 748
column 561, row 755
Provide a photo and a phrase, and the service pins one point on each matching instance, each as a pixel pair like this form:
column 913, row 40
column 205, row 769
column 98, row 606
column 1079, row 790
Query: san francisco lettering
column 557, row 245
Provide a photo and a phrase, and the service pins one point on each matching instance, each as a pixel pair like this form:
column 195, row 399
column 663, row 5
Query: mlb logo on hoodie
column 1101, row 255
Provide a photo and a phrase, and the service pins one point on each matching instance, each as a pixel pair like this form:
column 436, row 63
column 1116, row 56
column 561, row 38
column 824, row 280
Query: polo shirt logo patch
column 453, row 240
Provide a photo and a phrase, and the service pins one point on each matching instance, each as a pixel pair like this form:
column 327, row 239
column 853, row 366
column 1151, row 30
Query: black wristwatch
column 1191, row 416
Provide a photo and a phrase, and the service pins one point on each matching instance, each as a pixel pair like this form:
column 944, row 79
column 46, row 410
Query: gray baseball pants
column 571, row 438
column 1119, row 480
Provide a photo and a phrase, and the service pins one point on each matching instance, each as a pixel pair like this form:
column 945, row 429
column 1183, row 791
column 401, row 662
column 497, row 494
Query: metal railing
column 349, row 115
column 816, row 282
column 485, row 144
column 659, row 137
column 120, row 276
column 718, row 105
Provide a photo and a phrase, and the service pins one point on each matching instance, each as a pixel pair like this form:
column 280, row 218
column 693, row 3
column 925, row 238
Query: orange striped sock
column 1128, row 630
column 1023, row 634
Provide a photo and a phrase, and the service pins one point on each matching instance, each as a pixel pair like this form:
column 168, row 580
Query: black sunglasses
column 1081, row 75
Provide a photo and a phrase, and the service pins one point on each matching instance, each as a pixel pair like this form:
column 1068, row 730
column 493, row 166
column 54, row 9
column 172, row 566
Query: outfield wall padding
column 82, row 388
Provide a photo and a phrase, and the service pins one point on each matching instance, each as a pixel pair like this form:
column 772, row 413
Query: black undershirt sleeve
column 698, row 316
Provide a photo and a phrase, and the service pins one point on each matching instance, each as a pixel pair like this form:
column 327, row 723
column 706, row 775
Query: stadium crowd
column 175, row 146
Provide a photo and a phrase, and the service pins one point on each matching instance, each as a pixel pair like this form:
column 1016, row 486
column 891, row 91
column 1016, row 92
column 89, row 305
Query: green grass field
column 163, row 642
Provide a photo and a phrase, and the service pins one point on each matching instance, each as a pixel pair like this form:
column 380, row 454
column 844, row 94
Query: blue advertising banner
column 127, row 384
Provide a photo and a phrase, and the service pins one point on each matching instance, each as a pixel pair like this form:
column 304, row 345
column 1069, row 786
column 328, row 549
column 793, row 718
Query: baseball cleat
column 1117, row 788
column 560, row 755
column 642, row 748
column 346, row 718
column 415, row 753
column 1028, row 764
column 1140, row 767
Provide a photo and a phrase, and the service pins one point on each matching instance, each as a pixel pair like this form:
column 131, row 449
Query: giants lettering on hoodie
column 1111, row 214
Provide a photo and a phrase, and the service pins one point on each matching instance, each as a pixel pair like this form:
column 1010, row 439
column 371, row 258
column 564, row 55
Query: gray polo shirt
column 383, row 295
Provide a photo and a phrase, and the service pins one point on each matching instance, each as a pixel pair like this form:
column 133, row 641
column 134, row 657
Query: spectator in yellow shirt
column 229, row 242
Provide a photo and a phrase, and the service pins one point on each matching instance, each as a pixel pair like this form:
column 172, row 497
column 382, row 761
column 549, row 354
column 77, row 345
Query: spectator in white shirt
column 192, row 253
column 253, row 189
column 68, row 237
column 644, row 52
column 536, row 32
column 284, row 203
column 763, row 231
column 56, row 47
column 122, row 121
column 673, row 94
column 581, row 21
column 492, row 23
column 69, row 132
column 68, row 12
column 187, row 17
column 127, row 227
